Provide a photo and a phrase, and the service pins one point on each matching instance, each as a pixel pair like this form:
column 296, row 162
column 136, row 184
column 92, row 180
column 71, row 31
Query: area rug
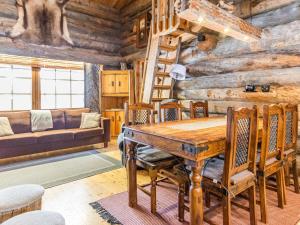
column 53, row 171
column 114, row 209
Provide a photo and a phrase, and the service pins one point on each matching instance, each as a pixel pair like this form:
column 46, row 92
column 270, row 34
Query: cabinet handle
column 119, row 83
column 113, row 119
column 112, row 83
column 120, row 118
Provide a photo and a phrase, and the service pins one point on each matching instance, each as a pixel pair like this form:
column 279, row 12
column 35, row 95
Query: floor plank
column 72, row 199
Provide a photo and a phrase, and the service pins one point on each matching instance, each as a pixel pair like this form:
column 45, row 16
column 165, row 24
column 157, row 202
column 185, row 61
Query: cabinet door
column 112, row 117
column 122, row 85
column 109, row 84
column 120, row 119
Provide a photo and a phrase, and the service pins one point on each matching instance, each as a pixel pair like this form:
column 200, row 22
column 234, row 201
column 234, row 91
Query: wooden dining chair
column 156, row 162
column 237, row 172
column 170, row 111
column 290, row 135
column 198, row 108
column 270, row 158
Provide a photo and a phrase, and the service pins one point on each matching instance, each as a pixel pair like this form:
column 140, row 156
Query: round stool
column 37, row 218
column 19, row 199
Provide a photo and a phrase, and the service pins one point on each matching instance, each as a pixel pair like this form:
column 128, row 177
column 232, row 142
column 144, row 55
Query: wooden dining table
column 194, row 140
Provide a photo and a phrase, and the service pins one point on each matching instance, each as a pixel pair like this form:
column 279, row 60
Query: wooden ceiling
column 116, row 4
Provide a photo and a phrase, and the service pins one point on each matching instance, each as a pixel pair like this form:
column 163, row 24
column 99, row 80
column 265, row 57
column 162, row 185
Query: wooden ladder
column 162, row 53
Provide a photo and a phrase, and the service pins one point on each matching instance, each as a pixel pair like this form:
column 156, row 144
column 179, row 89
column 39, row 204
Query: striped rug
column 114, row 209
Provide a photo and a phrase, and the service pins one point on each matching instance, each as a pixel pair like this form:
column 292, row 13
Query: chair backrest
column 290, row 124
column 272, row 134
column 169, row 112
column 241, row 142
column 139, row 113
column 198, row 108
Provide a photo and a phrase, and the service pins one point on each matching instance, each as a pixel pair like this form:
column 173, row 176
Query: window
column 15, row 87
column 62, row 88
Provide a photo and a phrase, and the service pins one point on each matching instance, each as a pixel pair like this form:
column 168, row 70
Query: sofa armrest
column 105, row 124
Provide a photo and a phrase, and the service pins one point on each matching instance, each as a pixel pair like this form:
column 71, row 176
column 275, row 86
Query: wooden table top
column 196, row 132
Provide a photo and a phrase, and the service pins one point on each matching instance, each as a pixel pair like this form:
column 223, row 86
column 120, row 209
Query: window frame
column 36, row 84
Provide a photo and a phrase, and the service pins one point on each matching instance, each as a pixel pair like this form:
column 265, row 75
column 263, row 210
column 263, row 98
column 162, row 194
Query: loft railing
column 164, row 18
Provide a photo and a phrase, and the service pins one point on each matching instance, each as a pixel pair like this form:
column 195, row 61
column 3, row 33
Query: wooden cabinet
column 117, row 87
column 117, row 118
column 115, row 83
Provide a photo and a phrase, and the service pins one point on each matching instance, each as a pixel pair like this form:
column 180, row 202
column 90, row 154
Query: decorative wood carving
column 42, row 22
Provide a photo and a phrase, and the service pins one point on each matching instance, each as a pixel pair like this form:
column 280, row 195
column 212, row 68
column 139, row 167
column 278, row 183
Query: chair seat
column 268, row 162
column 149, row 154
column 20, row 196
column 214, row 168
column 289, row 151
column 37, row 218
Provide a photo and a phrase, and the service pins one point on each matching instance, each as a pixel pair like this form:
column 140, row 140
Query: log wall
column 221, row 74
column 94, row 28
column 129, row 15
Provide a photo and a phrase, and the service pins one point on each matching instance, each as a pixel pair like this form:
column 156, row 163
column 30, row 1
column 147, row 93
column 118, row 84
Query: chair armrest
column 105, row 124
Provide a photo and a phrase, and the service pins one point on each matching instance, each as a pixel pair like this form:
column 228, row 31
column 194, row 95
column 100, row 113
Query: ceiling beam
column 212, row 17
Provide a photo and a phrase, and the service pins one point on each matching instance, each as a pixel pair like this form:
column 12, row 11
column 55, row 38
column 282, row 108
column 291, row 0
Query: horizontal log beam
column 278, row 94
column 248, row 62
column 279, row 39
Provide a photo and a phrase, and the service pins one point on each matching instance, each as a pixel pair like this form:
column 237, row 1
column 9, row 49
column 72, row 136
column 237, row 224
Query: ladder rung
column 166, row 61
column 162, row 74
column 168, row 48
column 158, row 99
column 163, row 87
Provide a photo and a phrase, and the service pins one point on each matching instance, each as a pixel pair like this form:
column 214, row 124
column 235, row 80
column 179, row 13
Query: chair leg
column 207, row 199
column 263, row 198
column 153, row 177
column 226, row 210
column 295, row 176
column 181, row 194
column 252, row 204
column 280, row 188
column 284, row 188
column 287, row 173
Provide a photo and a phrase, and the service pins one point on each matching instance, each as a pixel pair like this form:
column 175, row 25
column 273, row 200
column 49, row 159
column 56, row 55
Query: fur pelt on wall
column 42, row 22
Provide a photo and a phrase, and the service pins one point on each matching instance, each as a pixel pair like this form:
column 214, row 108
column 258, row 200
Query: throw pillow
column 41, row 120
column 5, row 128
column 90, row 120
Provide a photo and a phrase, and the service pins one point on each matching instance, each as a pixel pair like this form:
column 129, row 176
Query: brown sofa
column 65, row 133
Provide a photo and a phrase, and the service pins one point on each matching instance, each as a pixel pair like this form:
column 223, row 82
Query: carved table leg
column 131, row 174
column 196, row 195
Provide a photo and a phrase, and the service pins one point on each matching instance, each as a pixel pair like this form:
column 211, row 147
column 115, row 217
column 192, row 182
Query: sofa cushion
column 37, row 218
column 58, row 117
column 54, row 136
column 19, row 121
column 73, row 117
column 18, row 139
column 17, row 197
column 87, row 133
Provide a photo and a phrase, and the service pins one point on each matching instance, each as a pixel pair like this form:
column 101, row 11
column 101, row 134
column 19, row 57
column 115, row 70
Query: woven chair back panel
column 243, row 139
column 199, row 112
column 273, row 134
column 170, row 114
column 289, row 128
column 141, row 117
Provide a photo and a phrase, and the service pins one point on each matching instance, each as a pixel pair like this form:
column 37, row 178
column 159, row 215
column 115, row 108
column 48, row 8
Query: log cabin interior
column 149, row 112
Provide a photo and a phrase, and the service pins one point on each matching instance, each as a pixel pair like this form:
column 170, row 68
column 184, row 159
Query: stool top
column 20, row 196
column 37, row 218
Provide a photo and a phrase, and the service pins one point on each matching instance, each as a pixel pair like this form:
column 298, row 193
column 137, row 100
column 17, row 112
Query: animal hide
column 42, row 22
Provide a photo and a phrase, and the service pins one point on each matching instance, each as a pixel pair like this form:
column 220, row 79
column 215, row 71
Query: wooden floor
column 72, row 199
